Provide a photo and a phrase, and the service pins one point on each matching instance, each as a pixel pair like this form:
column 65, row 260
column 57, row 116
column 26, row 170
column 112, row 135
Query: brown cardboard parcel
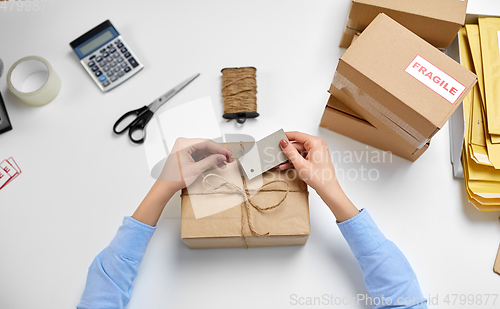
column 436, row 21
column 287, row 224
column 404, row 87
column 341, row 119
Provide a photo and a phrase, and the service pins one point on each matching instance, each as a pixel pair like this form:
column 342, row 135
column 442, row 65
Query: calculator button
column 105, row 54
column 127, row 69
column 117, row 41
column 95, row 68
column 98, row 73
column 132, row 61
column 110, row 46
column 119, row 59
column 116, row 55
column 92, row 57
column 105, row 83
column 102, row 78
column 113, row 78
column 98, row 59
column 126, row 55
column 124, row 64
column 119, row 44
column 112, row 50
column 120, row 74
column 116, row 69
column 103, row 50
column 105, row 68
column 113, row 63
column 91, row 63
column 123, row 50
column 110, row 73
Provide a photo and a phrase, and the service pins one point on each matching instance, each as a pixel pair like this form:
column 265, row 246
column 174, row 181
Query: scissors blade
column 169, row 94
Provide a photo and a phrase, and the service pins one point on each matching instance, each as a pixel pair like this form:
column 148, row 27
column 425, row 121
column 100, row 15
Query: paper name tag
column 263, row 156
column 437, row 80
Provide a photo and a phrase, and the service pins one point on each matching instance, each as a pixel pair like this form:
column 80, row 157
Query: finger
column 213, row 147
column 298, row 136
column 292, row 153
column 210, row 161
column 299, row 146
column 286, row 166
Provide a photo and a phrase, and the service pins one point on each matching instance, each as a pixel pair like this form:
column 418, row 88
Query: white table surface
column 79, row 180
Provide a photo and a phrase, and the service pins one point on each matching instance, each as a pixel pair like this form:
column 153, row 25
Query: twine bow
column 245, row 193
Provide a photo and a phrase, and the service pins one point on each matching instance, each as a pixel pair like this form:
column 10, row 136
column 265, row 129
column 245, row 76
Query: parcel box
column 404, row 87
column 436, row 21
column 223, row 209
column 341, row 119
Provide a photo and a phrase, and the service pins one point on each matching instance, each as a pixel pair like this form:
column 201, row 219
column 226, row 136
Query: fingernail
column 221, row 159
column 283, row 143
column 229, row 153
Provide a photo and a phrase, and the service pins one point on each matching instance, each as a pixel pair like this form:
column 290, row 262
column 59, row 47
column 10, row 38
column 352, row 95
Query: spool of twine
column 239, row 92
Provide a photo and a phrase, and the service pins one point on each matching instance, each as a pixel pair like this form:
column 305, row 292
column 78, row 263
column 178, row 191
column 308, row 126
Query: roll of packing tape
column 33, row 81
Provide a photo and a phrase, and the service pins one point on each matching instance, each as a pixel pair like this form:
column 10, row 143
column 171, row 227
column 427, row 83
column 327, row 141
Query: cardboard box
column 287, row 224
column 436, row 21
column 341, row 119
column 405, row 88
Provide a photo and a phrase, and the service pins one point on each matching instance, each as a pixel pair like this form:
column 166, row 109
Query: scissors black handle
column 144, row 114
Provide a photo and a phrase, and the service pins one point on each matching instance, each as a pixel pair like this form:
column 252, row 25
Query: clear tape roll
column 33, row 81
column 375, row 108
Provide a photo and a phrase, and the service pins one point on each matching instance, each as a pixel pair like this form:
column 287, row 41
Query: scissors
column 144, row 114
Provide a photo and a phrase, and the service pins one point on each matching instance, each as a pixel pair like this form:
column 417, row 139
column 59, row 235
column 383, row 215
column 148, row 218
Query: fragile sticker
column 434, row 78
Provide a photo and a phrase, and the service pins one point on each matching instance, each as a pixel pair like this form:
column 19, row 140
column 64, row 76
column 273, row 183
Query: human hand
column 189, row 158
column 316, row 169
column 309, row 155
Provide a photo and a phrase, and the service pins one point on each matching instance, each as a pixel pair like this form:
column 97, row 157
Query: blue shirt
column 388, row 276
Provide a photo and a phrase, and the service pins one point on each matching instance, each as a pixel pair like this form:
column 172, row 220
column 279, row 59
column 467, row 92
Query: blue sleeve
column 387, row 274
column 111, row 275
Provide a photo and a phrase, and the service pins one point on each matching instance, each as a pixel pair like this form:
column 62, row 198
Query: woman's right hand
column 309, row 155
column 316, row 169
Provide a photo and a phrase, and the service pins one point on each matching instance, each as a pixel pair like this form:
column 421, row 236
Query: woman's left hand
column 190, row 157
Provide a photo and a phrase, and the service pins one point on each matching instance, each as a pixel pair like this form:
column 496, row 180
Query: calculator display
column 98, row 41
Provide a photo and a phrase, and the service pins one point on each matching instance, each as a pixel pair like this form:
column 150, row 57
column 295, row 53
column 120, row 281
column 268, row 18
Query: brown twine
column 246, row 200
column 245, row 192
column 239, row 90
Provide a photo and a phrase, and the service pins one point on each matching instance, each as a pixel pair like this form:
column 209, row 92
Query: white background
column 79, row 180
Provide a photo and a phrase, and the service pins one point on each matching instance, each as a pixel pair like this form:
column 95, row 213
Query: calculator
column 106, row 56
